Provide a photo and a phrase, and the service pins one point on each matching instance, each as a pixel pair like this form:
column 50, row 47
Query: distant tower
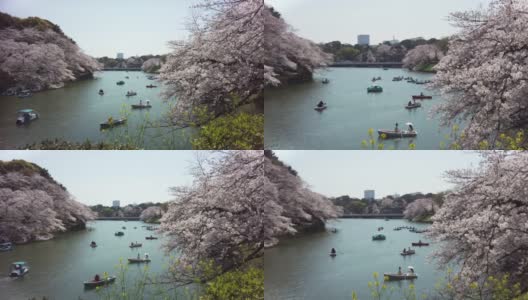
column 120, row 55
column 369, row 194
column 363, row 39
column 116, row 203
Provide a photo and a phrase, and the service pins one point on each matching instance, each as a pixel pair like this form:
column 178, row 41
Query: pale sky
column 343, row 20
column 98, row 177
column 338, row 173
column 105, row 27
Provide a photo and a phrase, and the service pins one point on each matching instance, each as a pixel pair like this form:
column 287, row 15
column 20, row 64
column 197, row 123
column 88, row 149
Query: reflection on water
column 292, row 123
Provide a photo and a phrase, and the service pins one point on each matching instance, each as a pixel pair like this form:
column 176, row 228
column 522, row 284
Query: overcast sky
column 343, row 20
column 105, row 27
column 98, row 177
column 337, row 173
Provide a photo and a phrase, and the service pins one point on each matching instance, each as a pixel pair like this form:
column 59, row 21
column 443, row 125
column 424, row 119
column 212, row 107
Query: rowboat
column 151, row 86
column 121, row 82
column 151, row 238
column 24, row 94
column 391, row 134
column 130, row 93
column 408, row 252
column 138, row 260
column 6, row 246
column 18, row 269
column 378, row 237
column 25, row 116
column 420, row 244
column 141, row 106
column 135, row 245
column 104, row 281
column 321, row 108
column 333, row 254
column 113, row 123
column 413, row 105
column 93, row 245
column 325, row 81
column 418, row 97
column 374, row 89
column 402, row 276
column 119, row 233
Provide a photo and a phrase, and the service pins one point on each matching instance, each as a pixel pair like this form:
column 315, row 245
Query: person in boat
column 396, row 128
column 320, row 104
column 333, row 251
column 138, row 256
column 399, row 270
column 146, row 256
column 421, row 94
column 97, row 277
column 420, row 241
column 404, row 251
column 411, row 128
column 409, row 104
column 148, row 102
column 140, row 102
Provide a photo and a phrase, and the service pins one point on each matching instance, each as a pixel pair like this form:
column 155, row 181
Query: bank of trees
column 35, row 54
column 482, row 223
column 483, row 77
column 33, row 206
column 288, row 57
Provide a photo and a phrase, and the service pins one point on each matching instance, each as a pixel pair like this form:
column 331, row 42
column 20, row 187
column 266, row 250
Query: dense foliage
column 131, row 210
column 388, row 205
column 484, row 74
column 239, row 131
column 385, row 52
column 33, row 206
column 36, row 55
column 482, row 223
column 134, row 62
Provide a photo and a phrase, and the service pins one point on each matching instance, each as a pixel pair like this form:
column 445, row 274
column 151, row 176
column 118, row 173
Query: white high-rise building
column 116, row 203
column 120, row 55
column 369, row 194
column 363, row 39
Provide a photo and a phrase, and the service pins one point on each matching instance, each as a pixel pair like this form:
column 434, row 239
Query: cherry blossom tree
column 220, row 66
column 420, row 208
column 151, row 213
column 288, row 55
column 484, row 74
column 33, row 207
column 40, row 59
column 239, row 202
column 482, row 225
column 422, row 55
column 151, row 65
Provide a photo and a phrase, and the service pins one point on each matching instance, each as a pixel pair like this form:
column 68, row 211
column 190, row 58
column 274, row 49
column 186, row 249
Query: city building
column 120, row 55
column 363, row 39
column 369, row 194
column 116, row 203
